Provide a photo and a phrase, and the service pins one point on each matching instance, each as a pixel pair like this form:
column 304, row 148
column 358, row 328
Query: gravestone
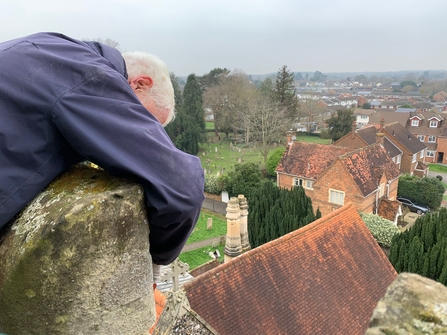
column 209, row 224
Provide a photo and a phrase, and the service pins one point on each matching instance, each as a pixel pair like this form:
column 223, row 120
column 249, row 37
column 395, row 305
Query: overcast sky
column 257, row 37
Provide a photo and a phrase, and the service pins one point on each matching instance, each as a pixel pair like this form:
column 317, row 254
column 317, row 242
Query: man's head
column 149, row 78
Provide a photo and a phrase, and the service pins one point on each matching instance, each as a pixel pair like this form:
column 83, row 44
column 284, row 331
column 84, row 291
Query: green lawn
column 209, row 125
column 200, row 256
column 313, row 139
column 437, row 168
column 200, row 232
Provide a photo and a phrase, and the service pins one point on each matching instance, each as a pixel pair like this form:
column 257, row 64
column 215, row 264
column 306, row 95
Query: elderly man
column 63, row 101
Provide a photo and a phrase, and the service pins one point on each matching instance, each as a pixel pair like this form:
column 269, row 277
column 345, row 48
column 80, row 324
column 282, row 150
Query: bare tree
column 311, row 109
column 267, row 122
column 107, row 41
column 228, row 102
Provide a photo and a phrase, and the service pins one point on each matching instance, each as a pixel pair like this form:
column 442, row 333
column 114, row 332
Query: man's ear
column 142, row 82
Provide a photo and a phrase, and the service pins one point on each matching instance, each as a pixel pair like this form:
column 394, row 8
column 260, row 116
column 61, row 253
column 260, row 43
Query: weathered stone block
column 76, row 260
column 412, row 305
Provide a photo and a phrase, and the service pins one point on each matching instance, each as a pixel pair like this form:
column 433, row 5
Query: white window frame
column 398, row 159
column 431, row 139
column 336, row 197
column 421, row 138
column 297, row 182
column 415, row 123
column 414, row 158
column 422, row 154
column 430, row 153
column 304, row 183
column 433, row 124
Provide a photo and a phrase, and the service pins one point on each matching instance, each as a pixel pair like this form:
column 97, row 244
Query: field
column 223, row 155
column 200, row 256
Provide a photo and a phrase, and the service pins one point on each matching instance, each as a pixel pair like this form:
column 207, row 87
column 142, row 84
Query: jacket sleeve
column 104, row 121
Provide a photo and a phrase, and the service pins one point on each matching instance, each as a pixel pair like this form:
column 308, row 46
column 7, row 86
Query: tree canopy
column 428, row 191
column 318, row 76
column 340, row 123
column 244, row 179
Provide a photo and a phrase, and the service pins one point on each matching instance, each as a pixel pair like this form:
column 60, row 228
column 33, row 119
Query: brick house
column 333, row 175
column 430, row 129
column 359, row 138
column 414, row 151
column 325, row 278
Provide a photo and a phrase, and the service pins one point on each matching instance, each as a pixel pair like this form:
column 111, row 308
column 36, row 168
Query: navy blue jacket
column 63, row 101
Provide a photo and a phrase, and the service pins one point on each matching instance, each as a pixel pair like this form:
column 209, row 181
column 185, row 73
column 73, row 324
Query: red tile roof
column 367, row 165
column 325, row 278
column 309, row 160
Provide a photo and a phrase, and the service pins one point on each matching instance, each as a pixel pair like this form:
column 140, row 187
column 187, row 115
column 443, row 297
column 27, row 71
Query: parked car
column 414, row 206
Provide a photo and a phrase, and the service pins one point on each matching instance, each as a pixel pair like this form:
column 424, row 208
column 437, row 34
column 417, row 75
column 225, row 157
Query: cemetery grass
column 195, row 258
column 230, row 152
column 200, row 233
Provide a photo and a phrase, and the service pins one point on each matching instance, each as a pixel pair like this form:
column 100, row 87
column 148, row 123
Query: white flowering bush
column 211, row 184
column 381, row 229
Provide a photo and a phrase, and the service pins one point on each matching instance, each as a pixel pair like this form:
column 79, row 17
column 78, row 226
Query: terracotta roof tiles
column 325, row 278
column 309, row 160
column 367, row 165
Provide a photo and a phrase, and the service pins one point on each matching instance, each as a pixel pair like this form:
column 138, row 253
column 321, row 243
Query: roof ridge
column 313, row 225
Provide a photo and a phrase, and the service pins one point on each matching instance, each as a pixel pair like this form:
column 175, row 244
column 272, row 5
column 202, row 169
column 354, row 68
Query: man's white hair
column 162, row 92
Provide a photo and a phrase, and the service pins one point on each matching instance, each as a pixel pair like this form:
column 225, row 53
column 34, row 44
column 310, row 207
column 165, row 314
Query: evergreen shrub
column 428, row 191
column 422, row 249
column 382, row 230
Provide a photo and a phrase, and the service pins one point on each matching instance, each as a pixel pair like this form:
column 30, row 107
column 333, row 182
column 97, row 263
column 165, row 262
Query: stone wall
column 215, row 206
column 76, row 260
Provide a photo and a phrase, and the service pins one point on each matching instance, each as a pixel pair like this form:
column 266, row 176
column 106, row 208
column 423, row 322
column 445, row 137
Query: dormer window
column 433, row 123
column 415, row 123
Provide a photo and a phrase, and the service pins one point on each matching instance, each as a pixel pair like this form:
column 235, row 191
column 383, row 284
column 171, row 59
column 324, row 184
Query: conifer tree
column 188, row 130
column 284, row 92
column 275, row 212
column 423, row 248
column 173, row 129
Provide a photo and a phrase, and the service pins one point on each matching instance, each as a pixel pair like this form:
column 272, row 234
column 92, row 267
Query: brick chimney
column 244, row 223
column 353, row 129
column 233, row 246
column 380, row 134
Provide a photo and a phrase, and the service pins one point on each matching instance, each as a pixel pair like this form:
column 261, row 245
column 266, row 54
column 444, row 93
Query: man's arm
column 103, row 120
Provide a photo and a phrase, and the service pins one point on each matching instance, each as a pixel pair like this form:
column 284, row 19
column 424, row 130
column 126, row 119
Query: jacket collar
column 111, row 54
